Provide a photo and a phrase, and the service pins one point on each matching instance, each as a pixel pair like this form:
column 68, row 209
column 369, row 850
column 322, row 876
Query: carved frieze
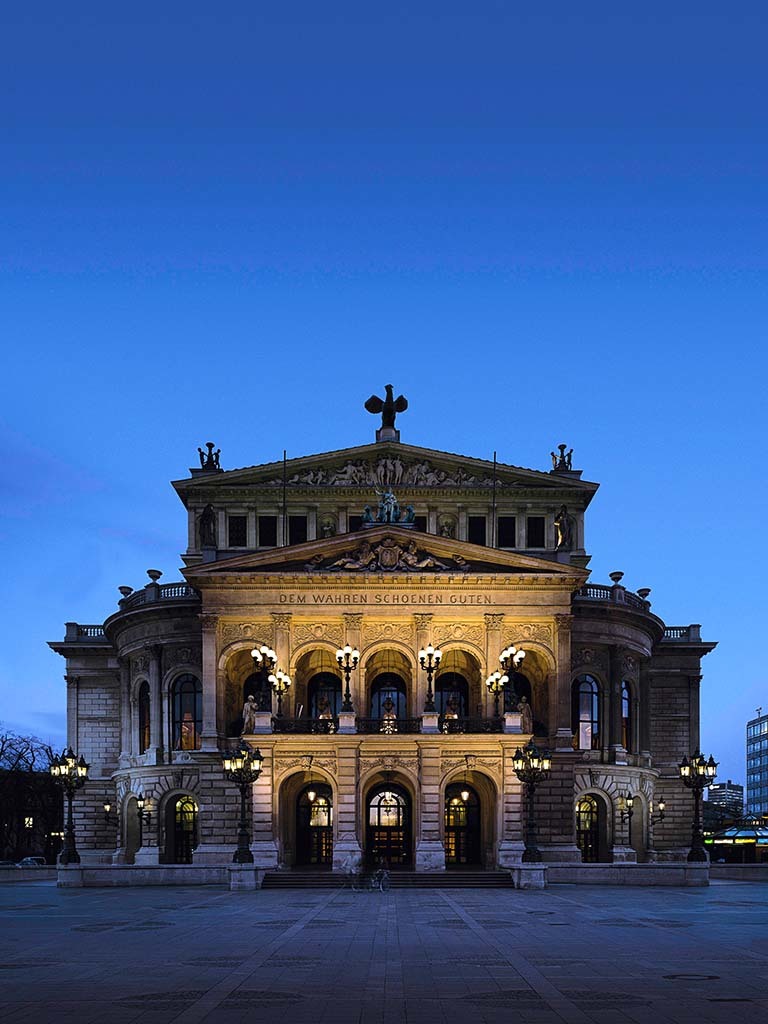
column 189, row 654
column 589, row 658
column 541, row 631
column 387, row 556
column 139, row 664
column 284, row 763
column 470, row 762
column 447, row 631
column 374, row 631
column 306, row 632
column 386, row 471
column 390, row 762
column 261, row 631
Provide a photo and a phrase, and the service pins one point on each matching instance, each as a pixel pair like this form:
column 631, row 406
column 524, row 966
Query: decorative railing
column 162, row 592
column 75, row 632
column 684, row 634
column 388, row 726
column 617, row 595
column 306, row 726
column 459, row 725
column 92, row 632
column 173, row 591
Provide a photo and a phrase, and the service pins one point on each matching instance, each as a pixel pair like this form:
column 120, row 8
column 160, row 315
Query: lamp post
column 496, row 682
column 264, row 664
column 626, row 815
column 660, row 816
column 243, row 768
column 429, row 659
column 348, row 660
column 109, row 817
column 143, row 815
column 530, row 765
column 71, row 773
column 280, row 683
column 511, row 658
column 696, row 774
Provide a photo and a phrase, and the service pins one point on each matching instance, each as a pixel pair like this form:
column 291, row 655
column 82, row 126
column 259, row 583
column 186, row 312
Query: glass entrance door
column 462, row 827
column 314, row 826
column 389, row 836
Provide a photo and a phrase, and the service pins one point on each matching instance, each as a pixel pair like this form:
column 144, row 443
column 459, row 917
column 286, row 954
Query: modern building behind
column 757, row 764
column 312, row 554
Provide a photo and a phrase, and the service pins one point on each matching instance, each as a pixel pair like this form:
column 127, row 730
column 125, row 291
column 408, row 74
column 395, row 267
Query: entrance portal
column 462, row 826
column 388, row 829
column 314, row 826
column 180, row 830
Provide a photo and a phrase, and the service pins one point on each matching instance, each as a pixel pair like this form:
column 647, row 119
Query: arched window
column 144, row 717
column 588, row 829
column 585, row 715
column 517, row 687
column 187, row 713
column 324, row 695
column 626, row 716
column 390, row 686
column 452, row 694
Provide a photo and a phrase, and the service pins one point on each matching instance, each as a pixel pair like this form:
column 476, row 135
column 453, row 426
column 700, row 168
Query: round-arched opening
column 585, row 713
column 316, row 679
column 463, row 842
column 181, row 829
column 452, row 695
column 144, row 717
column 186, row 713
column 242, row 682
column 457, row 684
column 389, row 826
column 324, row 696
column 592, row 829
column 388, row 678
column 314, row 826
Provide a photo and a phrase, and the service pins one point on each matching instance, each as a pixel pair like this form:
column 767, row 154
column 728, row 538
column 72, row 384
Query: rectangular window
column 267, row 531
column 297, row 529
column 237, row 531
column 476, row 529
column 507, row 536
column 535, row 532
column 421, row 523
column 29, row 822
column 355, row 523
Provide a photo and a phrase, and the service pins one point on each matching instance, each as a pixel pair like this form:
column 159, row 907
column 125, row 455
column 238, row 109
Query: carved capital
column 493, row 620
column 72, row 680
column 282, row 620
column 423, row 620
column 208, row 621
column 155, row 651
column 564, row 623
column 353, row 620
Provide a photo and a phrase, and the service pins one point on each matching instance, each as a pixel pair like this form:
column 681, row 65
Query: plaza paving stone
column 569, row 953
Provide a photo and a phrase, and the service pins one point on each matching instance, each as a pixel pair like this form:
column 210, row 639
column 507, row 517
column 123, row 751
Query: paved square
column 570, row 953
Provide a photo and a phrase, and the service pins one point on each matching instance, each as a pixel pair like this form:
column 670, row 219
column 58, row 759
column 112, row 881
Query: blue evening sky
column 542, row 222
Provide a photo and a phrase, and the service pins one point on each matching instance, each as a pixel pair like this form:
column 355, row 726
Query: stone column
column 645, row 708
column 126, row 717
column 156, row 705
column 282, row 648
column 346, row 847
column 423, row 623
column 73, row 713
column 209, row 624
column 616, row 678
column 493, row 647
column 562, row 717
column 430, row 851
column 353, row 627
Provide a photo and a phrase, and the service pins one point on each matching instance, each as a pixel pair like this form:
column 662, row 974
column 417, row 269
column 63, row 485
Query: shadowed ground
column 570, row 953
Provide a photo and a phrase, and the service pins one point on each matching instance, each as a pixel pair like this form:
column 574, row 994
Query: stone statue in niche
column 249, row 715
column 207, row 527
column 564, row 529
column 526, row 715
column 328, row 527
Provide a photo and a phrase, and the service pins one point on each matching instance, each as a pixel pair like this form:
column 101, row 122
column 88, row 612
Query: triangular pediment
column 402, row 467
column 387, row 549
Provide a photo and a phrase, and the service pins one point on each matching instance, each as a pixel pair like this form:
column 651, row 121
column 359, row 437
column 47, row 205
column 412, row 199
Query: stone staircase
column 397, row 880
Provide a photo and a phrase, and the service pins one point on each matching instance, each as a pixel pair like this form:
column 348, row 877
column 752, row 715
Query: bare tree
column 30, row 806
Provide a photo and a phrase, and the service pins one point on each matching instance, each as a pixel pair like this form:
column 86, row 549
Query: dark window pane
column 421, row 523
column 476, row 530
column 535, row 532
column 238, row 531
column 506, row 532
column 267, row 531
column 355, row 523
column 297, row 529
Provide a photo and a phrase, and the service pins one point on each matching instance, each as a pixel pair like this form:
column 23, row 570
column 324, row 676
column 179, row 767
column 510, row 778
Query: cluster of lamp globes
column 510, row 659
column 265, row 658
column 69, row 769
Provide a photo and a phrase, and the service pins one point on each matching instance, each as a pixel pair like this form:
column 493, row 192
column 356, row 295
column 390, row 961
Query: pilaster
column 347, row 852
column 209, row 625
column 618, row 752
column 562, row 718
column 353, row 627
column 126, row 745
column 423, row 623
column 430, row 851
column 493, row 623
column 156, row 704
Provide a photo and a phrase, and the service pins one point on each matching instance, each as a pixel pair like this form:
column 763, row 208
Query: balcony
column 159, row 592
column 616, row 595
column 390, row 726
column 78, row 633
column 306, row 726
column 464, row 725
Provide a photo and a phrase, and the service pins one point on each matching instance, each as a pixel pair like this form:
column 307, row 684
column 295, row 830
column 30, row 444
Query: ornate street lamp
column 243, row 767
column 626, row 814
column 660, row 816
column 511, row 658
column 71, row 773
column 429, row 659
column 496, row 682
column 143, row 815
column 348, row 660
column 264, row 664
column 530, row 765
column 109, row 817
column 280, row 683
column 696, row 775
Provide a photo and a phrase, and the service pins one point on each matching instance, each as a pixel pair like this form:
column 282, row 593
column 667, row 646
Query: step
column 397, row 879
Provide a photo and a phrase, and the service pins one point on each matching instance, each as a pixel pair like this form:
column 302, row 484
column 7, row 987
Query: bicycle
column 375, row 881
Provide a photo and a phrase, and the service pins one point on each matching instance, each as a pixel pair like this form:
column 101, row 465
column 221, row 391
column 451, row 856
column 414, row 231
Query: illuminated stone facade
column 482, row 557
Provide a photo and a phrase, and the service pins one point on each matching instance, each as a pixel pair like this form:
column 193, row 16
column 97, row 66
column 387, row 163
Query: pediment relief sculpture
column 387, row 471
column 387, row 556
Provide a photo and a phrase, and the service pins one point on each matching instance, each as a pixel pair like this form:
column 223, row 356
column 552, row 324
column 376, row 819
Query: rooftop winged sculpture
column 389, row 407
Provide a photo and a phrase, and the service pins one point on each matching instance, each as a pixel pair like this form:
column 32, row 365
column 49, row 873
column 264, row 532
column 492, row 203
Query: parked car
column 31, row 862
column 7, row 863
